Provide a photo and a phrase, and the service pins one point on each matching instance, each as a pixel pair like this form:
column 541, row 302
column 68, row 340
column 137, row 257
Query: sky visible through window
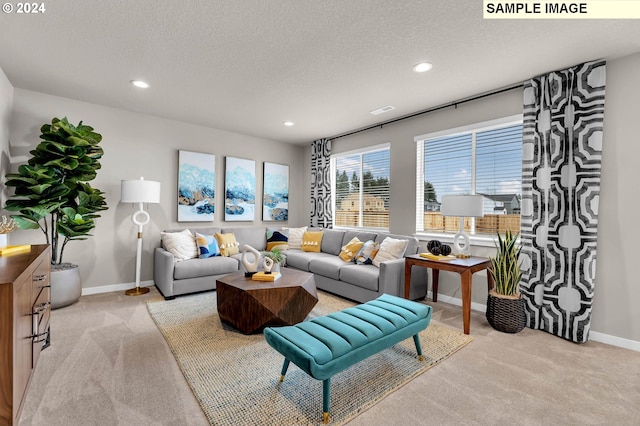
column 448, row 162
column 376, row 162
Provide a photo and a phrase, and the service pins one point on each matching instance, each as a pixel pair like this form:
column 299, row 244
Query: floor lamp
column 139, row 191
column 462, row 206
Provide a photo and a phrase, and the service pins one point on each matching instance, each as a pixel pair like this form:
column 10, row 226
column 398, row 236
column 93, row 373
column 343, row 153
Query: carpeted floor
column 108, row 364
column 235, row 377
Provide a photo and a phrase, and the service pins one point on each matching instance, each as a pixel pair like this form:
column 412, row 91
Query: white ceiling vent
column 383, row 109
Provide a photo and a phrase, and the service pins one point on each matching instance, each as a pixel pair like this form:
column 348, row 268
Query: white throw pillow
column 390, row 249
column 182, row 245
column 295, row 237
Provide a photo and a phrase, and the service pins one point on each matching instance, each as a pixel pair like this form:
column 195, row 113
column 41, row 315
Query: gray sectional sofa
column 360, row 283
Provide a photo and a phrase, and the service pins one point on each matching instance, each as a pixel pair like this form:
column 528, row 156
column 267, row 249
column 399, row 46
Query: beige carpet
column 235, row 377
column 109, row 365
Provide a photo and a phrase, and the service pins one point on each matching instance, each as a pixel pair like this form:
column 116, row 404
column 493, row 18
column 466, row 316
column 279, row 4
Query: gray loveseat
column 360, row 283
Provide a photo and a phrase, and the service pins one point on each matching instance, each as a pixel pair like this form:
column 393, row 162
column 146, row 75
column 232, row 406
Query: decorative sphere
column 433, row 244
column 445, row 250
column 435, row 251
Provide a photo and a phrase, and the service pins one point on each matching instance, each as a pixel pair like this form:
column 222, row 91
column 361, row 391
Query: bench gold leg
column 282, row 378
column 325, row 418
column 420, row 357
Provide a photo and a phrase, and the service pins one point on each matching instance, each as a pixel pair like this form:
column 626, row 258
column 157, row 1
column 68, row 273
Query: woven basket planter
column 506, row 313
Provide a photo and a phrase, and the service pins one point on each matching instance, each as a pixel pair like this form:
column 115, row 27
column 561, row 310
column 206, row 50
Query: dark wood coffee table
column 250, row 305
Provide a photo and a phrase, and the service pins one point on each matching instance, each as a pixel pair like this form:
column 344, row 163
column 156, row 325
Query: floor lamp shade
column 462, row 206
column 139, row 191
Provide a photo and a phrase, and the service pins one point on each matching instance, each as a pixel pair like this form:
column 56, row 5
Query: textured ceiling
column 249, row 65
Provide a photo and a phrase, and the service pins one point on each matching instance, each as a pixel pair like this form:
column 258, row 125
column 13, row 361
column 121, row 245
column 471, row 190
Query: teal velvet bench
column 327, row 345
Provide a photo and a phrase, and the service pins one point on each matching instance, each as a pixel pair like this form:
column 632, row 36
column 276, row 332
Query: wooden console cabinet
column 25, row 302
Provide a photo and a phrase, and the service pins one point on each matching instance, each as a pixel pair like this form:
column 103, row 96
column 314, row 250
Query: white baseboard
column 593, row 335
column 114, row 287
column 458, row 302
column 614, row 341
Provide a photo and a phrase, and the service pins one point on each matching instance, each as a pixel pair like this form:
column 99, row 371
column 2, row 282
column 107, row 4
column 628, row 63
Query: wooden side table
column 465, row 267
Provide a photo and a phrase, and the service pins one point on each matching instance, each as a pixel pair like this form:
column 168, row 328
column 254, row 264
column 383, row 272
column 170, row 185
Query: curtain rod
column 415, row 114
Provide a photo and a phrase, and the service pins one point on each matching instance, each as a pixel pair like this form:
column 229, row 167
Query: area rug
column 235, row 377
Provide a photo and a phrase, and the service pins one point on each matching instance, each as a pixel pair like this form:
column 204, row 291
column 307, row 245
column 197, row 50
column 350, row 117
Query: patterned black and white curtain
column 321, row 213
column 563, row 116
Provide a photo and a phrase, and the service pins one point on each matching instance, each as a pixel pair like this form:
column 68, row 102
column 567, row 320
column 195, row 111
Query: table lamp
column 462, row 206
column 139, row 191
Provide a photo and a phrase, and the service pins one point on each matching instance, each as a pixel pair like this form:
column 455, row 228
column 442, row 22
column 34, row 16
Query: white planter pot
column 66, row 285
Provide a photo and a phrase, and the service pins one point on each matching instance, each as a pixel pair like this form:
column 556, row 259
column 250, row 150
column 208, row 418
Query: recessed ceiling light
column 288, row 123
column 141, row 84
column 422, row 67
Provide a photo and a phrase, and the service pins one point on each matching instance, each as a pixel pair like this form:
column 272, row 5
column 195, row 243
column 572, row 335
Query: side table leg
column 407, row 279
column 466, row 300
column 435, row 273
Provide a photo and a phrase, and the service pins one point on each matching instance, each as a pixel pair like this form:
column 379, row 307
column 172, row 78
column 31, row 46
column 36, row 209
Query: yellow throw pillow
column 350, row 250
column 311, row 241
column 228, row 244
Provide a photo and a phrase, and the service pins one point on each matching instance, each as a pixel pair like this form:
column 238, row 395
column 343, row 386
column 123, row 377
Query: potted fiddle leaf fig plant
column 505, row 306
column 52, row 193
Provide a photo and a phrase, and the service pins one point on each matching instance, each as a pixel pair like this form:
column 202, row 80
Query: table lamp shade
column 462, row 205
column 140, row 191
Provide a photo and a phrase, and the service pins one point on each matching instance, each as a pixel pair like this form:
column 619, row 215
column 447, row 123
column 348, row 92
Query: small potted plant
column 277, row 256
column 505, row 307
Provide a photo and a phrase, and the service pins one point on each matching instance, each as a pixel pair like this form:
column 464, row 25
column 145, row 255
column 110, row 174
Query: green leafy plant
column 505, row 267
column 276, row 255
column 51, row 191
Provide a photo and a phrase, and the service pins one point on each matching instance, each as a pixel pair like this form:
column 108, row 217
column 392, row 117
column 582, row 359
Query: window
column 361, row 188
column 484, row 159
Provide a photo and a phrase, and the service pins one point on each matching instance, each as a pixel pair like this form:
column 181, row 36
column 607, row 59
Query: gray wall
column 617, row 290
column 6, row 104
column 139, row 145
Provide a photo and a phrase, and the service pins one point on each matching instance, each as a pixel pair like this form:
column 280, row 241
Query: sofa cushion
column 182, row 245
column 207, row 246
column 277, row 238
column 300, row 259
column 295, row 237
column 351, row 249
column 365, row 276
column 413, row 245
column 362, row 236
column 255, row 236
column 311, row 241
column 332, row 241
column 209, row 230
column 367, row 253
column 195, row 268
column 228, row 244
column 390, row 249
column 327, row 266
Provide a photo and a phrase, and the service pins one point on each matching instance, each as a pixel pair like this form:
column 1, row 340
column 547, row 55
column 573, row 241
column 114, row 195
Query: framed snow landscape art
column 240, row 189
column 196, row 186
column 275, row 201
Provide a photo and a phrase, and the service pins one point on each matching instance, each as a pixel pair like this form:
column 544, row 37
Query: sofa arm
column 163, row 265
column 391, row 278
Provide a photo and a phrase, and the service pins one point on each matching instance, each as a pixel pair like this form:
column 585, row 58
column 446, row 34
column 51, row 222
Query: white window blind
column 484, row 159
column 361, row 188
